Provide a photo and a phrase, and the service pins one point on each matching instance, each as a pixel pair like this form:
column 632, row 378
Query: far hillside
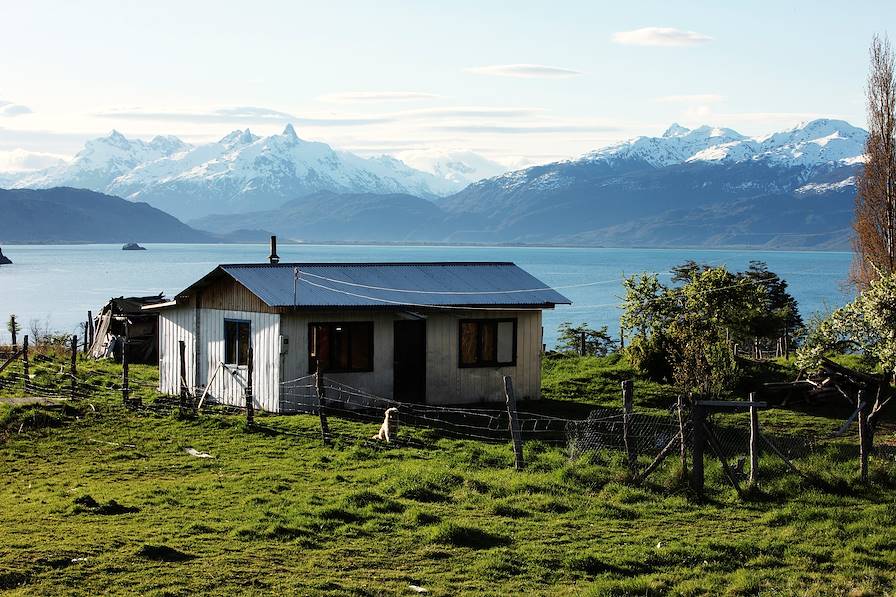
column 64, row 214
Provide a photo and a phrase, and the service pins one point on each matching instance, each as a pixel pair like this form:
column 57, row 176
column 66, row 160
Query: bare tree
column 875, row 212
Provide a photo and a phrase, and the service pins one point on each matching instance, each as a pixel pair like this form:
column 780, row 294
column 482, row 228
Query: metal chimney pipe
column 273, row 257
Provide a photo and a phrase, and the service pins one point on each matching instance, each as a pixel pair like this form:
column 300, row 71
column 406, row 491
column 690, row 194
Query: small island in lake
column 4, row 260
column 133, row 247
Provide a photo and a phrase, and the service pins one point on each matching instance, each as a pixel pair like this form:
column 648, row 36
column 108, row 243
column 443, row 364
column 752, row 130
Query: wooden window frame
column 479, row 364
column 346, row 324
column 239, row 323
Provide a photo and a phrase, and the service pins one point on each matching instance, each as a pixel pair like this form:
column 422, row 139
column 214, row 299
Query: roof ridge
column 369, row 264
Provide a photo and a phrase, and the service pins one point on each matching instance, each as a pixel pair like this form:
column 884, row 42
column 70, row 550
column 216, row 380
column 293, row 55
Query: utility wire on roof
column 454, row 307
column 456, row 292
column 407, row 304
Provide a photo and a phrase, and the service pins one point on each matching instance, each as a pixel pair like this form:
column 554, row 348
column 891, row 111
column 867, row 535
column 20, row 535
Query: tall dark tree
column 875, row 212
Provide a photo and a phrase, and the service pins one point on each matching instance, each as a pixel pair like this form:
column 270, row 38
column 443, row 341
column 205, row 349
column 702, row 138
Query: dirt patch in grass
column 163, row 553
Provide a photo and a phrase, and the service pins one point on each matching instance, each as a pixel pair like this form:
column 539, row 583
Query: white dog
column 389, row 427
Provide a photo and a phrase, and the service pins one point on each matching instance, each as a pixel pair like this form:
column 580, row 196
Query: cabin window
column 340, row 347
column 487, row 342
column 237, row 336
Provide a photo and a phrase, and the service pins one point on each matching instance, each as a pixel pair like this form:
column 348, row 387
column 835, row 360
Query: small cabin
column 435, row 333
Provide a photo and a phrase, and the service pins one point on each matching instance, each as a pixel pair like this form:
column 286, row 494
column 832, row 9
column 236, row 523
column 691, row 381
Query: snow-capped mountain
column 808, row 144
column 459, row 166
column 239, row 173
column 102, row 161
column 675, row 146
column 708, row 185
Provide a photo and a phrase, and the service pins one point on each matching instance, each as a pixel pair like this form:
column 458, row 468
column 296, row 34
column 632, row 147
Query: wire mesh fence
column 639, row 434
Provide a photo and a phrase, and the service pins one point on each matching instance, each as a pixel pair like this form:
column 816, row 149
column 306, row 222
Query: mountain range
column 706, row 186
column 241, row 172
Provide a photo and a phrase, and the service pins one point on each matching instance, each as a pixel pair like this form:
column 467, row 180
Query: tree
column 684, row 333
column 875, row 205
column 866, row 325
column 597, row 342
column 13, row 327
column 780, row 313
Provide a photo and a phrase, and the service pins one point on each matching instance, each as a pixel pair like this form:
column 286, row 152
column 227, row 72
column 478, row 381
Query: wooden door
column 409, row 367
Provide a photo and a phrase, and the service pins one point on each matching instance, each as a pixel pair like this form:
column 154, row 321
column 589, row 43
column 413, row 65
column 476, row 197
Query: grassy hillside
column 99, row 499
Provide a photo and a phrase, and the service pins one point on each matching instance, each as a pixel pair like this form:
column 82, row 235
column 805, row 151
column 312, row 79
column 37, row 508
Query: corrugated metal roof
column 394, row 284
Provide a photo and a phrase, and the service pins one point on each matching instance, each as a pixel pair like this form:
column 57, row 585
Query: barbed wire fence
column 638, row 436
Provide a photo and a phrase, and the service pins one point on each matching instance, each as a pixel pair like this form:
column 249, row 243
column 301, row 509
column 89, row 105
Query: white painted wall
column 175, row 324
column 228, row 386
column 446, row 383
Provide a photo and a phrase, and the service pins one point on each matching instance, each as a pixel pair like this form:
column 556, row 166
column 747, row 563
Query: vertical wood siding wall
column 229, row 384
column 446, row 382
column 175, row 325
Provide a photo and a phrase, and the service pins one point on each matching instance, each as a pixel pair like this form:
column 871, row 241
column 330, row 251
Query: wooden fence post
column 250, row 398
column 698, row 417
column 683, row 448
column 182, row 368
column 514, row 423
column 864, row 446
column 12, row 325
column 25, row 367
column 581, row 344
column 74, row 366
column 125, row 378
column 321, row 393
column 88, row 332
column 626, row 426
column 754, row 442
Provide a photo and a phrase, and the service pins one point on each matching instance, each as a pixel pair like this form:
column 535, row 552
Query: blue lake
column 59, row 283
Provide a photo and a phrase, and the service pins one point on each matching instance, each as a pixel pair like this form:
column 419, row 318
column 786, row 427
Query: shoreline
column 427, row 244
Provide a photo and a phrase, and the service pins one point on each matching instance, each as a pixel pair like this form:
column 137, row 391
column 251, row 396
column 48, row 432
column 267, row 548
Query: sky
column 517, row 82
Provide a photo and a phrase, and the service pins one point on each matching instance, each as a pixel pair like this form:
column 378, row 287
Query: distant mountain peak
column 239, row 137
column 676, row 130
column 117, row 139
column 290, row 133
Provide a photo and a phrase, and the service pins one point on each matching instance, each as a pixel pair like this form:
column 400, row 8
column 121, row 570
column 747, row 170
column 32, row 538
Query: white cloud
column 10, row 109
column 377, row 96
column 468, row 112
column 239, row 114
column 524, row 71
column 21, row 160
column 696, row 98
column 660, row 36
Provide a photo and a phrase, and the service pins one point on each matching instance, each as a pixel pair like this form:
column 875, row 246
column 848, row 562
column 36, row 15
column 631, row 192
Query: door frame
column 395, row 325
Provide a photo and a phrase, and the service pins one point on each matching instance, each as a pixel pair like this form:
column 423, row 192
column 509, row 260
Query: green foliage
column 866, row 325
column 597, row 342
column 684, row 332
column 12, row 325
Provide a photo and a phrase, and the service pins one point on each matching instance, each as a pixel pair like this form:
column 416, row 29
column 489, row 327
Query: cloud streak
column 525, row 129
column 524, row 71
column 241, row 115
column 376, row 96
column 9, row 109
column 660, row 36
column 696, row 98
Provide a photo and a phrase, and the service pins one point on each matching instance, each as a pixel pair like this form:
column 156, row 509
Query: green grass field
column 99, row 499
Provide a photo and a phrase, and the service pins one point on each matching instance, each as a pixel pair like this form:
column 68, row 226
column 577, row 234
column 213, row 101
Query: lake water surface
column 60, row 283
